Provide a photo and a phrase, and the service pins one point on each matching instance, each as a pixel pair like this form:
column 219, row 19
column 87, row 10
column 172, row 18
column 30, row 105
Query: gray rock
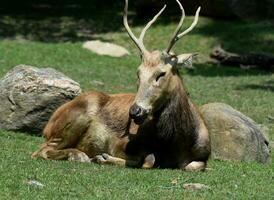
column 105, row 48
column 28, row 96
column 271, row 145
column 233, row 135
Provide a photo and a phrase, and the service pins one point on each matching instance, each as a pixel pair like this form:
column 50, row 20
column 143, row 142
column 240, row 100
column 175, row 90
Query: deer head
column 158, row 74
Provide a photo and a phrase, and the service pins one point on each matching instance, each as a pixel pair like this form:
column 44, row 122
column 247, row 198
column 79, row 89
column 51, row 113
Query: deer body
column 157, row 127
column 95, row 123
column 92, row 124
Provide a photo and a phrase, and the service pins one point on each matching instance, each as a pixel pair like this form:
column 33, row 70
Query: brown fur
column 93, row 123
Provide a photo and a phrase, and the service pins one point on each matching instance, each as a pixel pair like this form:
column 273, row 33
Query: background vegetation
column 51, row 35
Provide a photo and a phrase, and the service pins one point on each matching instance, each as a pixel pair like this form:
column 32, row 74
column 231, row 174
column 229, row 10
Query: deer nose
column 137, row 113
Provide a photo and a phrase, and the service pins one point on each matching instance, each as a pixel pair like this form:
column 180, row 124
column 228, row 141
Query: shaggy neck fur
column 176, row 119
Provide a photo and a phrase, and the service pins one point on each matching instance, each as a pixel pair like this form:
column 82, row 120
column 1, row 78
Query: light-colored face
column 157, row 78
column 158, row 69
column 154, row 81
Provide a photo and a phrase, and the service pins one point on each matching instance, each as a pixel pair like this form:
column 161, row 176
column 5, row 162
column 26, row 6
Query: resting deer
column 157, row 127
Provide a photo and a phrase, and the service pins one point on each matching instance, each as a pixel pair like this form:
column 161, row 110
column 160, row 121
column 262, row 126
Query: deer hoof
column 106, row 156
column 99, row 159
column 79, row 157
column 149, row 161
column 103, row 159
column 195, row 166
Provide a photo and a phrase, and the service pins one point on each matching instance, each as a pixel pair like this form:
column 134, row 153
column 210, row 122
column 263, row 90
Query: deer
column 158, row 127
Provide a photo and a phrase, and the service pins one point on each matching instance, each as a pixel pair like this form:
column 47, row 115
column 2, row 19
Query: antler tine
column 194, row 23
column 150, row 23
column 130, row 33
column 176, row 35
column 139, row 41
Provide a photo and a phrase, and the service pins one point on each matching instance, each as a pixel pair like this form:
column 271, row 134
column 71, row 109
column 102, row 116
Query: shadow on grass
column 210, row 70
column 72, row 21
column 267, row 86
column 241, row 37
column 59, row 21
column 84, row 20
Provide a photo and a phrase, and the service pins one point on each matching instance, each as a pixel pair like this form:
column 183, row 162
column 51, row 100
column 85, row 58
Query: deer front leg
column 107, row 159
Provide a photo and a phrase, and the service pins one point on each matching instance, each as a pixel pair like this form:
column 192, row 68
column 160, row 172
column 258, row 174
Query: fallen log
column 247, row 61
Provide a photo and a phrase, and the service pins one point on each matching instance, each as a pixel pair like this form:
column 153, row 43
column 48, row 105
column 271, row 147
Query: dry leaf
column 174, row 181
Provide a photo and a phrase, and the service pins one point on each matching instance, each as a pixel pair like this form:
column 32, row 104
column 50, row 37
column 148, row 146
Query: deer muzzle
column 138, row 114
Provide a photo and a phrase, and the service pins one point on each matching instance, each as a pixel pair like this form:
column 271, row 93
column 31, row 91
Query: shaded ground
column 72, row 21
column 57, row 22
column 265, row 85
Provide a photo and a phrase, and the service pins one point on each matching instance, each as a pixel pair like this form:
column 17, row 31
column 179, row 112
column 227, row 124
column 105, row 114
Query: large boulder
column 233, row 135
column 29, row 95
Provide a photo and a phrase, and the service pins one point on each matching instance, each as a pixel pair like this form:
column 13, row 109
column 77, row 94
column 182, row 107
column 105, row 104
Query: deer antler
column 139, row 41
column 176, row 36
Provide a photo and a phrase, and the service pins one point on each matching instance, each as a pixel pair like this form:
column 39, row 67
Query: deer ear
column 185, row 60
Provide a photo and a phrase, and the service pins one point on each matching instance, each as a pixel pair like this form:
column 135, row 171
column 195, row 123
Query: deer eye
column 173, row 60
column 162, row 74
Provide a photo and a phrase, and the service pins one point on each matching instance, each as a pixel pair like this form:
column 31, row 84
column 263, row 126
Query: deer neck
column 177, row 117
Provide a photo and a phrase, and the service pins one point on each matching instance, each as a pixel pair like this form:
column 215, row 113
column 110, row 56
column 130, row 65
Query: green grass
column 65, row 180
column 251, row 92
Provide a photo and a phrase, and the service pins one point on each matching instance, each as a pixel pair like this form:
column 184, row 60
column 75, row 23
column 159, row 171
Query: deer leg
column 107, row 159
column 149, row 161
column 49, row 150
column 200, row 151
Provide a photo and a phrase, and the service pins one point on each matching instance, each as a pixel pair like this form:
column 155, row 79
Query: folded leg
column 49, row 150
column 107, row 159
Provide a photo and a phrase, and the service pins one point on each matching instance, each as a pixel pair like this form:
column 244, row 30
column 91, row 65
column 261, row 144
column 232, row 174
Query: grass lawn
column 251, row 92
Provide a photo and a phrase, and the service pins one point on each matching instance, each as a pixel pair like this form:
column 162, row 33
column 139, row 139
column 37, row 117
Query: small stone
column 97, row 83
column 105, row 48
column 35, row 183
column 195, row 186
